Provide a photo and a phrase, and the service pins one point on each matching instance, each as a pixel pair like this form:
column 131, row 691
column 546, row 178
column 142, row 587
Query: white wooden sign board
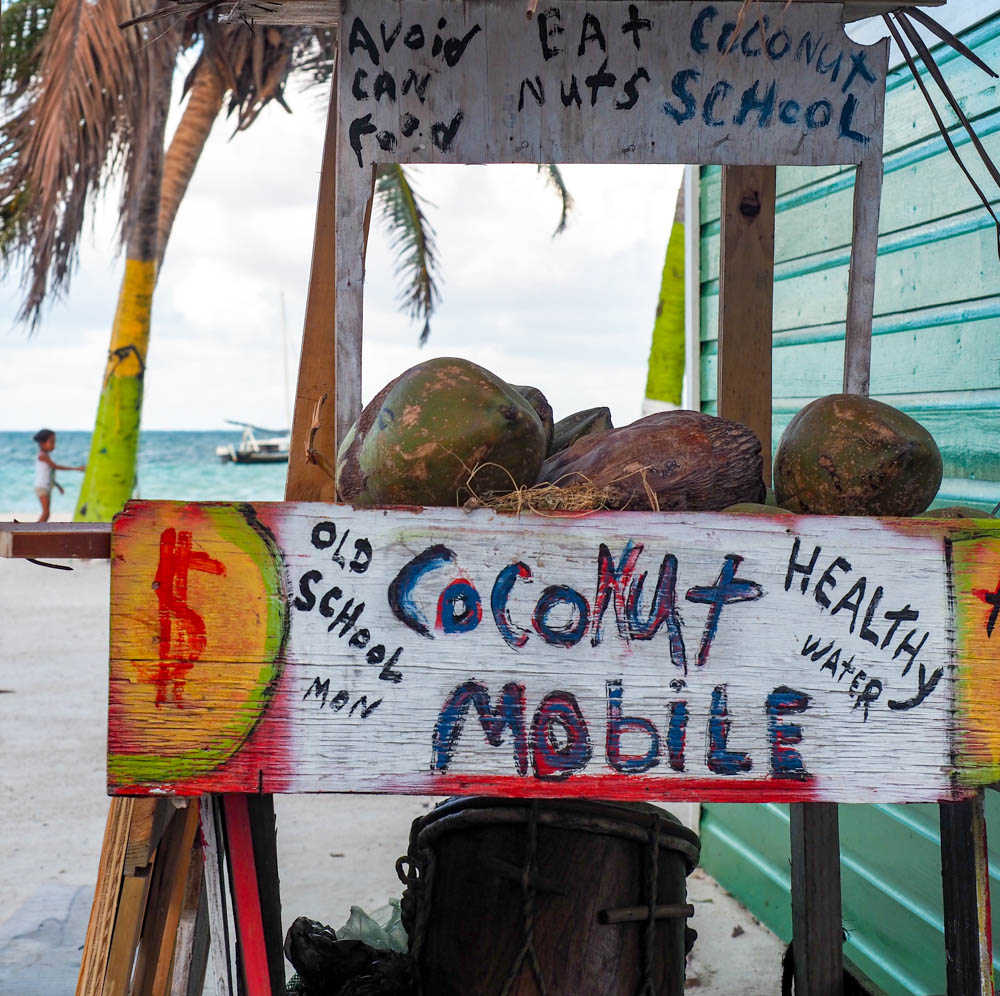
column 298, row 648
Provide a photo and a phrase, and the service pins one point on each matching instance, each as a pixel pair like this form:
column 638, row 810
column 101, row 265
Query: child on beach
column 45, row 470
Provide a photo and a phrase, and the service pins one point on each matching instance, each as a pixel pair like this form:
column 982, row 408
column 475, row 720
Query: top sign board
column 311, row 648
column 657, row 81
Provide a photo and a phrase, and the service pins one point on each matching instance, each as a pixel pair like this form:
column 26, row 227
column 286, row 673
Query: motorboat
column 270, row 446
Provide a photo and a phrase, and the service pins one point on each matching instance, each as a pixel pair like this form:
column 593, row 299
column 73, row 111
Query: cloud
column 572, row 315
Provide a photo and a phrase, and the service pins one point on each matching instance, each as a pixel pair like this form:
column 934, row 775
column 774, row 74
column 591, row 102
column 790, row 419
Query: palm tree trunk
column 200, row 112
column 110, row 476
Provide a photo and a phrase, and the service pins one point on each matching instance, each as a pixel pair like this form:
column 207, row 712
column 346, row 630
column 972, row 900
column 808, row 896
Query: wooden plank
column 100, row 928
column 861, row 276
column 355, row 190
column 191, row 946
column 222, row 943
column 745, row 300
column 965, row 263
column 816, row 914
column 657, row 88
column 966, row 883
column 340, row 649
column 128, row 927
column 327, row 12
column 252, row 943
column 148, row 821
column 317, row 360
column 918, row 197
column 954, row 356
column 263, row 830
column 165, row 903
column 84, row 540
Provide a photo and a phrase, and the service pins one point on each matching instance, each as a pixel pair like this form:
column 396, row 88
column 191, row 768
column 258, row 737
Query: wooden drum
column 558, row 898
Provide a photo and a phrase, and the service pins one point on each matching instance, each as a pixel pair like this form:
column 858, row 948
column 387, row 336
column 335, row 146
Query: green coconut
column 588, row 422
column 849, row 455
column 426, row 433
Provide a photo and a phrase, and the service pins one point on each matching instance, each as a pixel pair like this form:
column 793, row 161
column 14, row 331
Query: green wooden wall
column 936, row 355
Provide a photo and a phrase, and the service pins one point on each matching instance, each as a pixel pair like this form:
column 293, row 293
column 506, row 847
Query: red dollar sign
column 182, row 630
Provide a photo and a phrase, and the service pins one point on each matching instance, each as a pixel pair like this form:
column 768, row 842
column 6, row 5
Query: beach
column 334, row 851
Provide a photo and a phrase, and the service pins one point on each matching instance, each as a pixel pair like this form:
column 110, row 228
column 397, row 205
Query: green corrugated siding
column 890, row 882
column 936, row 355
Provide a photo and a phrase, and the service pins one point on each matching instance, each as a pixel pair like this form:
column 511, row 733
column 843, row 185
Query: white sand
column 334, row 851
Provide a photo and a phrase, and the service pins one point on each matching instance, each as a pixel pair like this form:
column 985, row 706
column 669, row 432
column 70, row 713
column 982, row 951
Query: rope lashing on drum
column 647, row 987
column 419, row 879
column 529, row 873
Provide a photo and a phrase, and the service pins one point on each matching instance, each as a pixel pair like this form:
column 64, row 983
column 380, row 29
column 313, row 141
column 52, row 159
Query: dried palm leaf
column 82, row 117
column 554, row 179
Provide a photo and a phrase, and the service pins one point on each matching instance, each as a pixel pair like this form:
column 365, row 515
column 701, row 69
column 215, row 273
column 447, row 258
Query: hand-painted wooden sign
column 587, row 81
column 311, row 647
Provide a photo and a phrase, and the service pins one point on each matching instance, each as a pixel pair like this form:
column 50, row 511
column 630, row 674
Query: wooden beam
column 746, row 292
column 327, row 12
column 317, row 361
column 100, row 928
column 816, row 908
column 250, row 933
column 80, row 540
column 966, row 885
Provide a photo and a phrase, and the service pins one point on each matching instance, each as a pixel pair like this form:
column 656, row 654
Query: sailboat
column 273, row 444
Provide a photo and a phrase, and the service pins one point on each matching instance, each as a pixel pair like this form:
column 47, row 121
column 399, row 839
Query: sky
column 571, row 315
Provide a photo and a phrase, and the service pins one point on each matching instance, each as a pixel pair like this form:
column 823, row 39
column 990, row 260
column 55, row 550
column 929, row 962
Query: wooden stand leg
column 166, row 903
column 816, row 908
column 191, row 947
column 251, row 941
column 966, row 886
column 132, row 835
column 222, row 947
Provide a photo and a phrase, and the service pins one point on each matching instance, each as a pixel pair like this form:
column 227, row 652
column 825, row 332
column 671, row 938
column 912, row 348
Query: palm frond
column 554, row 179
column 21, row 31
column 412, row 239
column 79, row 119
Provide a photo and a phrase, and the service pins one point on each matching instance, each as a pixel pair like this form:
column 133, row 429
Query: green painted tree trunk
column 666, row 356
column 110, row 476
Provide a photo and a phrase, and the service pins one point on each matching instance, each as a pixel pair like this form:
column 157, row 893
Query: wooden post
column 816, row 920
column 966, row 885
column 317, row 361
column 746, row 288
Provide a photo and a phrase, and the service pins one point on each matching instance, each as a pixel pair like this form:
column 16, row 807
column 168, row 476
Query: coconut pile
column 448, row 432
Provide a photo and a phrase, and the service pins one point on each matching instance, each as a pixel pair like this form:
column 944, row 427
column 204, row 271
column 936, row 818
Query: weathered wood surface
column 56, row 539
column 317, row 357
column 746, row 290
column 965, row 882
column 310, row 647
column 817, row 929
column 327, row 12
column 589, row 81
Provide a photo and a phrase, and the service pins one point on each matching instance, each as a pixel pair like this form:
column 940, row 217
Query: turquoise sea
column 177, row 465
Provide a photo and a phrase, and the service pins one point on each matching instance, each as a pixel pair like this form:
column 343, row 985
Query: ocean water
column 174, row 465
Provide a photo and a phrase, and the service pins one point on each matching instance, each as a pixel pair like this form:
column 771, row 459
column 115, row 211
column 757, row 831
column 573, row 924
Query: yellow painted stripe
column 130, row 332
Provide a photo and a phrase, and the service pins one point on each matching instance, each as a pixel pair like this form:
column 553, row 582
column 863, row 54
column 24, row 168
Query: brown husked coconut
column 674, row 461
